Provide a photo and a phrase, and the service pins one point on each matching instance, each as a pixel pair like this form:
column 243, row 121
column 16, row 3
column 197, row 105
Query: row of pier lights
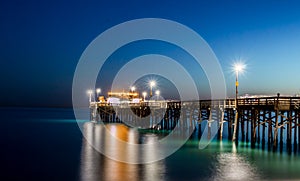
column 132, row 89
column 237, row 67
column 90, row 93
column 152, row 84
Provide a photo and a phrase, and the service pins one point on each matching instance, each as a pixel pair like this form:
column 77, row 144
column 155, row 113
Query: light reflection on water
column 43, row 145
column 232, row 166
column 95, row 166
column 219, row 161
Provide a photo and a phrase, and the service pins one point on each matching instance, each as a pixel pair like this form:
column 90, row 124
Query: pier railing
column 224, row 103
column 281, row 103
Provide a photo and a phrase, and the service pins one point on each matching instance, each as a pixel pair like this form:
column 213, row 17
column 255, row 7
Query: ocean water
column 47, row 144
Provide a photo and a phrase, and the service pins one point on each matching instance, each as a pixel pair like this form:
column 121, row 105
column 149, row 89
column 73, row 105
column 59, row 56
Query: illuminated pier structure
column 260, row 121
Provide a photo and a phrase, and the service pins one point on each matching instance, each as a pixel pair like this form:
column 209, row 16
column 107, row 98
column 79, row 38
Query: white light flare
column 90, row 92
column 98, row 90
column 144, row 95
column 157, row 92
column 239, row 67
column 152, row 83
column 132, row 88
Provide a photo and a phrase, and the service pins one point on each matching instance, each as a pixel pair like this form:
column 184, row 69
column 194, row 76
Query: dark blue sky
column 42, row 41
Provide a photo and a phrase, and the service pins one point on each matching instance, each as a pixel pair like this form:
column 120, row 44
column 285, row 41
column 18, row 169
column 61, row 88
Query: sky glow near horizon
column 41, row 43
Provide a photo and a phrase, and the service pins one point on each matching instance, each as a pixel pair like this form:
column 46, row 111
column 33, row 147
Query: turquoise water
column 46, row 144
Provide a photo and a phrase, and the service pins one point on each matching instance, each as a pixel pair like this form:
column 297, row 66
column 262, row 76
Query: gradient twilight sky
column 42, row 41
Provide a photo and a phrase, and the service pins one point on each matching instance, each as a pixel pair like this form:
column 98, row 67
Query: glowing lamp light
column 132, row 88
column 239, row 67
column 90, row 92
column 98, row 90
column 157, row 92
column 144, row 95
column 152, row 83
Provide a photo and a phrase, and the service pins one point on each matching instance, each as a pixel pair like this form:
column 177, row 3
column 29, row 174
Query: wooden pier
column 264, row 121
column 270, row 122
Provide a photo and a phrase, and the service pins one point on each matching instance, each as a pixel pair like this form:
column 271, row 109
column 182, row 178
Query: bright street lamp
column 157, row 92
column 152, row 84
column 90, row 92
column 132, row 88
column 144, row 95
column 238, row 68
column 98, row 92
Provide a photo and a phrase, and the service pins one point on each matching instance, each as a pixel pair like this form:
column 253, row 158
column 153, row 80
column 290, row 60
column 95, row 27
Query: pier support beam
column 235, row 132
column 281, row 131
column 276, row 130
column 242, row 116
column 253, row 127
column 289, row 132
column 222, row 123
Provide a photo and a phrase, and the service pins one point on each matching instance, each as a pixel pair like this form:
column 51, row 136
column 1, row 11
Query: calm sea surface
column 46, row 144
